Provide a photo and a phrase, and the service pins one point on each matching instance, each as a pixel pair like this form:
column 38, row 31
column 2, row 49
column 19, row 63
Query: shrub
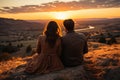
column 10, row 49
column 21, row 45
column 102, row 39
column 5, row 56
column 10, row 44
column 18, row 45
column 112, row 40
column 28, row 49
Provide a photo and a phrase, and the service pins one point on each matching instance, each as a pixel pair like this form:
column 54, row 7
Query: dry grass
column 99, row 58
column 11, row 64
column 103, row 58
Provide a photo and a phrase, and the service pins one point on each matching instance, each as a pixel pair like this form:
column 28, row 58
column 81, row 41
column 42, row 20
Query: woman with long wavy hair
column 48, row 51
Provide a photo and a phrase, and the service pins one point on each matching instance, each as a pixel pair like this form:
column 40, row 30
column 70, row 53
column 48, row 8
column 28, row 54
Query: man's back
column 74, row 45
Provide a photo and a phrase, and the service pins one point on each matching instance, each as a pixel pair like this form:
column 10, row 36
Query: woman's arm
column 59, row 47
column 38, row 50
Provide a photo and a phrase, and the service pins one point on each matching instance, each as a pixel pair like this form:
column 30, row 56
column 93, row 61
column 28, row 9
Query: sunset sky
column 59, row 9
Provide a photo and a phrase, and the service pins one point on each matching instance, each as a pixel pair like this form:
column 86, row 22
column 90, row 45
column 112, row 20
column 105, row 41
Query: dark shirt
column 74, row 45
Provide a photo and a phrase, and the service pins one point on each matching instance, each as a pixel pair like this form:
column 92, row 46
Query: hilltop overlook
column 101, row 63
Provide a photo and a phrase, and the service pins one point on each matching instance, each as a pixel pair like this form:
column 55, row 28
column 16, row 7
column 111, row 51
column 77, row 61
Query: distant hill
column 97, row 21
column 7, row 24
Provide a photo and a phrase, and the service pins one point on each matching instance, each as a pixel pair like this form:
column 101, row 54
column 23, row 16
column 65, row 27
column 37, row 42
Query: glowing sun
column 61, row 15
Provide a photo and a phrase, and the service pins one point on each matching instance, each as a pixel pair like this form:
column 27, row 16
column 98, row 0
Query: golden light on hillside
column 61, row 15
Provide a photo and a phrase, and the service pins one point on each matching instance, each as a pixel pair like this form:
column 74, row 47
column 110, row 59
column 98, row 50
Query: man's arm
column 85, row 48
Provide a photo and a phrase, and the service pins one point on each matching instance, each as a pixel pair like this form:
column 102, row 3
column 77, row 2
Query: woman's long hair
column 52, row 32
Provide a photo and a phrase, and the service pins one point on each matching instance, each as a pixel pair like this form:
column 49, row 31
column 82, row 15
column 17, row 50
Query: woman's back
column 48, row 59
column 47, row 49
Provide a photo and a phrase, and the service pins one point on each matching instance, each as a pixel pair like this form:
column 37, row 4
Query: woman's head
column 52, row 31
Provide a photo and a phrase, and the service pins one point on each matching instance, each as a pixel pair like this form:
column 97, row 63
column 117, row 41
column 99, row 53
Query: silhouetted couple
column 55, row 51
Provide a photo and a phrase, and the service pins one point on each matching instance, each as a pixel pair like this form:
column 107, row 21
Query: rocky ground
column 102, row 62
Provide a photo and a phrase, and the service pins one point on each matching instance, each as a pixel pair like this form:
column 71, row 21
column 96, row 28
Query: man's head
column 69, row 24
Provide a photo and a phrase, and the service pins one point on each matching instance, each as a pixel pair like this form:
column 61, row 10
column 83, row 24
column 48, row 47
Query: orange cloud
column 62, row 6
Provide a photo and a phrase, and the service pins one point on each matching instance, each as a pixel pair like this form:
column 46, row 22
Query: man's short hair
column 69, row 24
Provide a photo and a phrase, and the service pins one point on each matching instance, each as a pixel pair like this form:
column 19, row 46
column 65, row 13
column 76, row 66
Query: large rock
column 113, row 74
column 74, row 73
